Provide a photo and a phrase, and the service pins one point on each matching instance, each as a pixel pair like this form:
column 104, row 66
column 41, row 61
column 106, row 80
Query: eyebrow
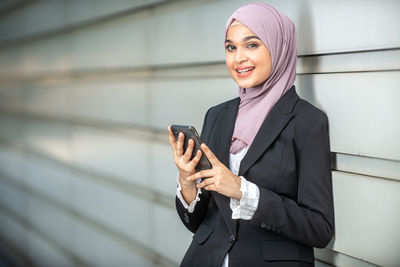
column 244, row 39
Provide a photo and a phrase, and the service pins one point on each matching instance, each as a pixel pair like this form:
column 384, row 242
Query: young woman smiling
column 247, row 58
column 267, row 200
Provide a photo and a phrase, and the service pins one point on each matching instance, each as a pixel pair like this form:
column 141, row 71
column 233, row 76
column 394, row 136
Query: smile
column 244, row 72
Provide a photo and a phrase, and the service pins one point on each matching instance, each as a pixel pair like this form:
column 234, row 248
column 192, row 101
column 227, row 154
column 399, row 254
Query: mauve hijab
column 278, row 34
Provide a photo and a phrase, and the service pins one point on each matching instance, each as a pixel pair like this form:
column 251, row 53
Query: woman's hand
column 219, row 178
column 186, row 167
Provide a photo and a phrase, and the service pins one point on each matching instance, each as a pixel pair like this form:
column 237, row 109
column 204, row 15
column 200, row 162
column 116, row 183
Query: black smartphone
column 191, row 133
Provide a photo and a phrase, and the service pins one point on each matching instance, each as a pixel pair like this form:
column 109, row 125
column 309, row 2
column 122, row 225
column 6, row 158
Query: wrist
column 238, row 194
column 188, row 191
column 185, row 184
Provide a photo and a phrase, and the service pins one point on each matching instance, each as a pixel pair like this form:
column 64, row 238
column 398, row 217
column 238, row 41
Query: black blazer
column 289, row 160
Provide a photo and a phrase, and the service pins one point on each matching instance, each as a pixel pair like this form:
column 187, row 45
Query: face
column 247, row 58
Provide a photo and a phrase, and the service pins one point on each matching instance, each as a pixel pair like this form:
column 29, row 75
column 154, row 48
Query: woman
column 267, row 201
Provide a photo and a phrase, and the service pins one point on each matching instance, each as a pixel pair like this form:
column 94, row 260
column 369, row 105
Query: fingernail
column 188, row 178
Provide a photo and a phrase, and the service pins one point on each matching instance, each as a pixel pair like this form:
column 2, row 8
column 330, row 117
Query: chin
column 245, row 84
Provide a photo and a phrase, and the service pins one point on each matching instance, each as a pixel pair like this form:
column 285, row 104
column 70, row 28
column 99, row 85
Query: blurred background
column 88, row 88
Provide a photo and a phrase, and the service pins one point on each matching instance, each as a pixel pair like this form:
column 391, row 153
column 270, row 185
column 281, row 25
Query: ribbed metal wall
column 87, row 89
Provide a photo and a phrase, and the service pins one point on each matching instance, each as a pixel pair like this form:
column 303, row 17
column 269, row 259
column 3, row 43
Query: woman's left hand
column 219, row 178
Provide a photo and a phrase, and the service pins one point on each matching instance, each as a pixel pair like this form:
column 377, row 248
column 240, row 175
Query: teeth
column 245, row 70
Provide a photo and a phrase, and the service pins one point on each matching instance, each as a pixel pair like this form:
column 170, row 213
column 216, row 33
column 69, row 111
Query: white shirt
column 241, row 209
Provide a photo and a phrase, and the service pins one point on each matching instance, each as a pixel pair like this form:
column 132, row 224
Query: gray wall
column 87, row 89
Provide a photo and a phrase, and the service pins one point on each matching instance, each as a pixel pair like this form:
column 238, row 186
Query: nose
column 240, row 56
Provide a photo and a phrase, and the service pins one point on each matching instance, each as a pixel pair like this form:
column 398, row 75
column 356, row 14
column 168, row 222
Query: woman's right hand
column 186, row 167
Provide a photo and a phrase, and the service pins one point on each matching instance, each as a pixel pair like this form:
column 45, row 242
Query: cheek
column 266, row 71
column 264, row 64
column 229, row 64
column 228, row 60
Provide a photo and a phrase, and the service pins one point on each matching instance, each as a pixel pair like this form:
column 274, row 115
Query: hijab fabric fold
column 278, row 34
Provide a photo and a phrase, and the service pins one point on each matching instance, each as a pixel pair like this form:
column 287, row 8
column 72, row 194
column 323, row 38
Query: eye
column 252, row 45
column 229, row 47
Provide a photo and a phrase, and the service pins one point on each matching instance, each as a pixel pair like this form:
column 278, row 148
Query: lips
column 244, row 71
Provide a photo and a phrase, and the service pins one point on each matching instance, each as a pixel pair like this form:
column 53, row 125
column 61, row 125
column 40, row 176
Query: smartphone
column 191, row 133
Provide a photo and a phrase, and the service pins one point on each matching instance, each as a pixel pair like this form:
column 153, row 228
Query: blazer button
column 232, row 238
column 263, row 225
column 268, row 227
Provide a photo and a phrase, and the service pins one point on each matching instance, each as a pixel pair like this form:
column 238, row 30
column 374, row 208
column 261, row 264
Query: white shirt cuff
column 191, row 206
column 247, row 205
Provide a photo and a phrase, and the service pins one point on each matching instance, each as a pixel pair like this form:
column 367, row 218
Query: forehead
column 236, row 22
column 238, row 30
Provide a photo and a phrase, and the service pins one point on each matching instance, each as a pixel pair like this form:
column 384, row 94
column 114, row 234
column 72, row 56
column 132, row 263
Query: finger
column 189, row 150
column 196, row 159
column 210, row 155
column 201, row 174
column 205, row 183
column 172, row 140
column 179, row 144
column 210, row 187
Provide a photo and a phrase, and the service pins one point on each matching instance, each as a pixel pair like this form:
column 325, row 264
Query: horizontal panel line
column 130, row 129
column 121, row 238
column 350, row 71
column 28, row 225
column 129, row 188
column 355, row 51
column 17, row 254
column 148, row 73
column 330, row 254
column 369, row 157
column 364, row 165
column 367, row 175
column 22, row 40
column 14, row 7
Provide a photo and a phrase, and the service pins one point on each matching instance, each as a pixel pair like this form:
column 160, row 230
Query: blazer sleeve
column 192, row 220
column 310, row 219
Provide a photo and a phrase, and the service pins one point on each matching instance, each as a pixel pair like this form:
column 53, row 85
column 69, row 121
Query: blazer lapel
column 273, row 124
column 224, row 127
